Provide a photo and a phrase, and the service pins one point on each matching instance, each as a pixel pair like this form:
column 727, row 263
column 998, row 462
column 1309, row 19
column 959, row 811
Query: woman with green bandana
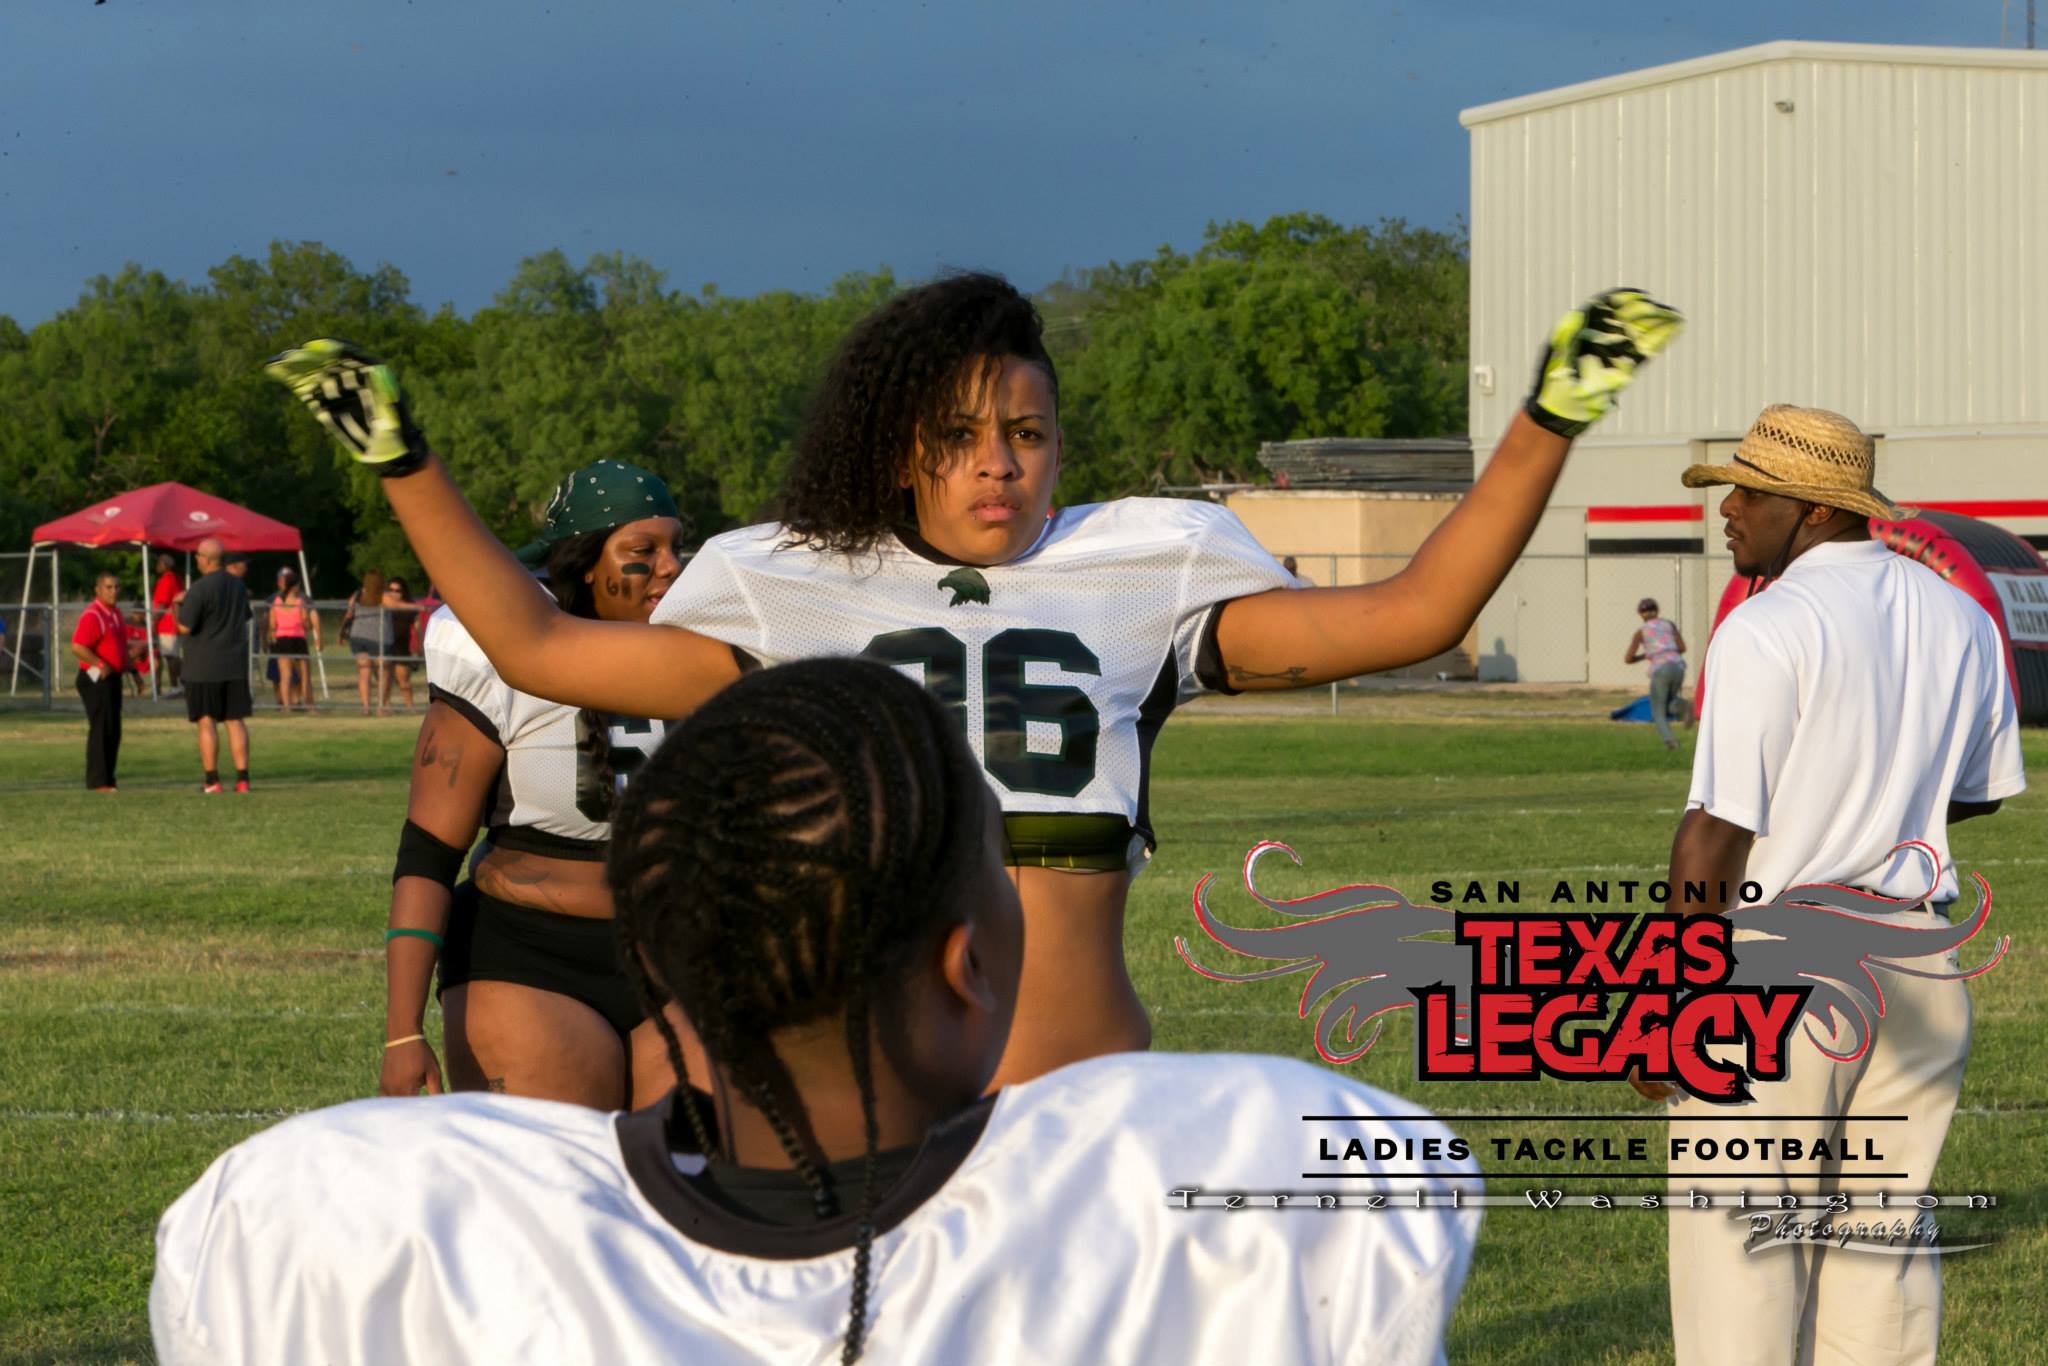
column 532, row 994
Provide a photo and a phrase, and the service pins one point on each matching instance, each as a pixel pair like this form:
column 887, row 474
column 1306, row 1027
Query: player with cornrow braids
column 837, row 855
column 812, row 868
column 917, row 528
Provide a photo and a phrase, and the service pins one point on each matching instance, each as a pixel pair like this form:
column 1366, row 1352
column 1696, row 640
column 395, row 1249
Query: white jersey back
column 551, row 782
column 1062, row 663
column 1846, row 706
column 490, row 1229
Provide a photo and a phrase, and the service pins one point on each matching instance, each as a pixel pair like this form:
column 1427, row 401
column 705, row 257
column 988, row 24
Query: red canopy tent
column 168, row 516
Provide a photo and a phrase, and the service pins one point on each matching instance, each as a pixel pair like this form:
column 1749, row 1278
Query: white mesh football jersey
column 1061, row 664
column 492, row 1229
column 549, row 783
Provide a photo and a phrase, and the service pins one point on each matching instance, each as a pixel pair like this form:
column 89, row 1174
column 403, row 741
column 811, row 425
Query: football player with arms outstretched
column 917, row 528
column 535, row 1000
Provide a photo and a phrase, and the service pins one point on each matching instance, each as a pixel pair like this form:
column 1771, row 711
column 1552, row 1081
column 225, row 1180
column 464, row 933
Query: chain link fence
column 1556, row 619
column 1569, row 618
column 25, row 654
column 342, row 658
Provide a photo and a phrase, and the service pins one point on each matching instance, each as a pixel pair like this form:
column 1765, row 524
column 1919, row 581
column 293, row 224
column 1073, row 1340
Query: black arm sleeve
column 422, row 854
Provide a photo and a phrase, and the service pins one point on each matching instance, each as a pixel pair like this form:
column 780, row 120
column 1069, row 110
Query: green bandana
column 599, row 497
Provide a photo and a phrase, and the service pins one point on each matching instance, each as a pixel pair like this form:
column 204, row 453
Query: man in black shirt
column 214, row 620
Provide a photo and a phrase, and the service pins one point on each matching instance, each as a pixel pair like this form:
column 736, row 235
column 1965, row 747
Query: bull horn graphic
column 1831, row 935
column 1363, row 942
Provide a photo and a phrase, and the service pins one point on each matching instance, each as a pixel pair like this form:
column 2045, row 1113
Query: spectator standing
column 289, row 625
column 1859, row 707
column 138, row 651
column 1304, row 580
column 100, row 642
column 427, row 606
column 215, row 619
column 271, row 674
column 164, row 598
column 400, row 617
column 367, row 627
column 1663, row 645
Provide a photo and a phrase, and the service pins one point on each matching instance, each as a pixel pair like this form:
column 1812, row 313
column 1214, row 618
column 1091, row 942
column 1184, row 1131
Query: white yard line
column 24, row 1116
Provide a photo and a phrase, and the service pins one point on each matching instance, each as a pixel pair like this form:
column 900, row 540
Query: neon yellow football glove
column 357, row 400
column 1592, row 356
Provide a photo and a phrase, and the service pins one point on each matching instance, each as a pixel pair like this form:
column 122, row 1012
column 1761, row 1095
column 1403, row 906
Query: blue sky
column 778, row 144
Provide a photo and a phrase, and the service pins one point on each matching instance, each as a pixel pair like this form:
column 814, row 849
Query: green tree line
column 1173, row 370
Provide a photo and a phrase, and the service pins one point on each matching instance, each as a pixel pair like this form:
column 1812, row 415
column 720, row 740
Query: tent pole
column 320, row 657
column 148, row 626
column 50, row 646
column 28, row 578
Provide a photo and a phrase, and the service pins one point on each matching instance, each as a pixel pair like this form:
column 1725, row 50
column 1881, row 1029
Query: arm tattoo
column 435, row 754
column 519, row 873
column 1293, row 673
column 528, row 879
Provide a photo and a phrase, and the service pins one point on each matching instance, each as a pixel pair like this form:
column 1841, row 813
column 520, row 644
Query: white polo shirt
column 1845, row 706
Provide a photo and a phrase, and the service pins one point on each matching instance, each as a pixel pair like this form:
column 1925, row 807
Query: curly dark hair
column 891, row 391
column 568, row 561
column 782, row 859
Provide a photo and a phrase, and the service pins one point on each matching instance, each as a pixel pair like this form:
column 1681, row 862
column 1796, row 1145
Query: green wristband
column 427, row 935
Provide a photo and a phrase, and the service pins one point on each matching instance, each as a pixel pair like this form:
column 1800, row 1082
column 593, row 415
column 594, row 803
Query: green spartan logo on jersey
column 967, row 585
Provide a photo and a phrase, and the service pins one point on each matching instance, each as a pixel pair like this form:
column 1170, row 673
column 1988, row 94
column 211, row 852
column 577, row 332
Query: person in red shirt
column 100, row 642
column 164, row 599
column 428, row 605
column 138, row 652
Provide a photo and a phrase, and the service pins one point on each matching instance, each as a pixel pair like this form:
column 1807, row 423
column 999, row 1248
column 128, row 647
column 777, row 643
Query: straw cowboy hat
column 1809, row 454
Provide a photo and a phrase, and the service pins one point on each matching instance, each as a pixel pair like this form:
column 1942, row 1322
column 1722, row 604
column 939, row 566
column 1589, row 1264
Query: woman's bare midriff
column 563, row 886
column 1075, row 999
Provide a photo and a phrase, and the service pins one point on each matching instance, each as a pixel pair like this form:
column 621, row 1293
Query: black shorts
column 288, row 645
column 489, row 940
column 227, row 701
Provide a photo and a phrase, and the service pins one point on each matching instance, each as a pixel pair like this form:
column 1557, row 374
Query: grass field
column 176, row 973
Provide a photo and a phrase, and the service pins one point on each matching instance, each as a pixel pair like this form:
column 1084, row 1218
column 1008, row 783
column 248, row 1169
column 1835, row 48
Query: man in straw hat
column 1858, row 704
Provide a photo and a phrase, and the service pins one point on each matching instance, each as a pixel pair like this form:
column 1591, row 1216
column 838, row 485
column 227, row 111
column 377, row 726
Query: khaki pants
column 1808, row 1304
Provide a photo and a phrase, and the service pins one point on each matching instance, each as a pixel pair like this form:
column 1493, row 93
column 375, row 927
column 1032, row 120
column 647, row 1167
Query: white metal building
column 1846, row 226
